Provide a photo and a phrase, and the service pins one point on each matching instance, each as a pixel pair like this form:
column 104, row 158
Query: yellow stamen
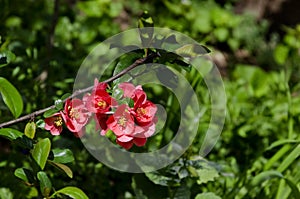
column 141, row 111
column 102, row 104
column 58, row 121
column 122, row 121
column 74, row 113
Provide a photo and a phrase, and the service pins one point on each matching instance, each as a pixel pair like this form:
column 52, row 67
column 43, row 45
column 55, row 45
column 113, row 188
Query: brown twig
column 78, row 92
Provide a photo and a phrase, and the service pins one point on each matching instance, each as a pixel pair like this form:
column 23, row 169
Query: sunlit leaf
column 30, row 129
column 6, row 193
column 63, row 167
column 63, row 155
column 289, row 159
column 24, row 174
column 208, row 195
column 10, row 133
column 41, row 152
column 11, row 97
column 72, row 192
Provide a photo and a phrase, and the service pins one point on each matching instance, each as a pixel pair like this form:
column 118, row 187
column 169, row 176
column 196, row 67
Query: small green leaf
column 130, row 103
column 11, row 134
column 208, row 195
column 30, row 130
column 63, row 155
column 11, row 97
column 40, row 124
column 63, row 167
column 6, row 193
column 206, row 174
column 65, row 96
column 59, row 104
column 158, row 179
column 281, row 53
column 24, row 174
column 117, row 93
column 72, row 192
column 45, row 183
column 6, row 57
column 192, row 50
column 49, row 113
column 41, row 152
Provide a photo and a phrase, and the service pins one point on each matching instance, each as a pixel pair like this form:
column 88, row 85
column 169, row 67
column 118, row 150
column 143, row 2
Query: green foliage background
column 43, row 43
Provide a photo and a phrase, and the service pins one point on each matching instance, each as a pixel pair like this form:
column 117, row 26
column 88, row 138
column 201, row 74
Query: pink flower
column 75, row 116
column 121, row 122
column 127, row 132
column 54, row 124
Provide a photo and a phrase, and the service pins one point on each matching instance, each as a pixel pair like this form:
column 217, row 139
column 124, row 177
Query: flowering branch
column 78, row 92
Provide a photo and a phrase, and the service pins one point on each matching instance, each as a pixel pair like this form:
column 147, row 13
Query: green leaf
column 72, row 192
column 294, row 188
column 63, row 167
column 63, row 155
column 11, row 97
column 5, row 193
column 282, row 142
column 124, row 62
column 30, row 130
column 158, row 179
column 50, row 112
column 263, row 176
column 65, row 96
column 281, row 53
column 41, row 152
column 221, row 34
column 11, row 134
column 45, row 183
column 192, row 50
column 6, row 57
column 24, row 174
column 208, row 195
column 289, row 159
column 59, row 104
column 206, row 174
column 40, row 124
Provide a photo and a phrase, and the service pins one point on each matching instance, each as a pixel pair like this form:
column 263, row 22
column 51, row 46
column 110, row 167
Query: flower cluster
column 131, row 118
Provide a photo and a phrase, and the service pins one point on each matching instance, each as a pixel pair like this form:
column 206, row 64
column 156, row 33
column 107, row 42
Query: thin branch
column 78, row 92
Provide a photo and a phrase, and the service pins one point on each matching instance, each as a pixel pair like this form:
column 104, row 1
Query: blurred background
column 254, row 43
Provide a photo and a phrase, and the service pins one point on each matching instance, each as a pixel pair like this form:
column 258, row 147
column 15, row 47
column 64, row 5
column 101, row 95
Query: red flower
column 99, row 101
column 75, row 116
column 145, row 113
column 127, row 142
column 54, row 124
column 101, row 125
